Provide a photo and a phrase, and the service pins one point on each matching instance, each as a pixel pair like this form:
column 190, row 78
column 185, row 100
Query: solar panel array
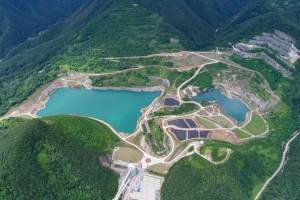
column 204, row 134
column 191, row 123
column 193, row 134
column 171, row 102
column 184, row 135
column 180, row 134
column 179, row 123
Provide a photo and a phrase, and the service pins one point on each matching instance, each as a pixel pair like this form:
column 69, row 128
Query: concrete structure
column 149, row 188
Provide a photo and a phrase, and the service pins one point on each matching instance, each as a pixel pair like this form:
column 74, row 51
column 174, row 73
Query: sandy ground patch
column 224, row 135
column 188, row 61
column 209, row 109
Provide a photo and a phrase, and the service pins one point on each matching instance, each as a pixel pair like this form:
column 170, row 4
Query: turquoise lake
column 120, row 108
column 235, row 108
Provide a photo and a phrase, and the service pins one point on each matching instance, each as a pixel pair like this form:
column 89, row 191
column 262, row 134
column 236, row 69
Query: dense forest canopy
column 20, row 20
column 56, row 158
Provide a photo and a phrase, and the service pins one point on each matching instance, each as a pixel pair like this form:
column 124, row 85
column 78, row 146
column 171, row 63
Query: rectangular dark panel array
column 204, row 134
column 179, row 123
column 170, row 102
column 180, row 134
column 193, row 134
column 191, row 123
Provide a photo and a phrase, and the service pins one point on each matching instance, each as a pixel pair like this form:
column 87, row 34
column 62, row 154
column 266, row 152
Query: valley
column 162, row 136
column 144, row 99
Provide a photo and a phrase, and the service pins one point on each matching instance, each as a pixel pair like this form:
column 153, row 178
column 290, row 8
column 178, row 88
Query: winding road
column 154, row 159
column 183, row 153
column 279, row 168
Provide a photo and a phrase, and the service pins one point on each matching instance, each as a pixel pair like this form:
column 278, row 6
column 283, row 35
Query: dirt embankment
column 38, row 99
column 237, row 83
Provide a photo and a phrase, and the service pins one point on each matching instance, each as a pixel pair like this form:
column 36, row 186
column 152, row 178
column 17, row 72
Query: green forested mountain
column 20, row 20
column 196, row 178
column 108, row 28
column 251, row 164
column 194, row 21
column 286, row 184
column 45, row 156
column 56, row 158
column 19, row 68
column 261, row 16
column 124, row 28
column 25, row 19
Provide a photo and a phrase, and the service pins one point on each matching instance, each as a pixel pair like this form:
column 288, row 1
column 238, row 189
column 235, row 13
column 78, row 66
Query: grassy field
column 137, row 138
column 159, row 168
column 182, row 109
column 202, row 80
column 155, row 137
column 256, row 126
column 156, row 130
column 128, row 154
column 206, row 123
column 178, row 150
column 222, row 121
column 241, row 134
column 136, row 77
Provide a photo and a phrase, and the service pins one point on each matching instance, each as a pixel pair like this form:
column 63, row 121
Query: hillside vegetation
column 108, row 28
column 261, row 16
column 196, row 178
column 20, row 20
column 56, row 158
column 286, row 184
column 251, row 164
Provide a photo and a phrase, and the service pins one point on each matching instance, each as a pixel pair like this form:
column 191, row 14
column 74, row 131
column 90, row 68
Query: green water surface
column 120, row 108
column 232, row 107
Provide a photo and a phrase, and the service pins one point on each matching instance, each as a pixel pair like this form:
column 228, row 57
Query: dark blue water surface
column 235, row 108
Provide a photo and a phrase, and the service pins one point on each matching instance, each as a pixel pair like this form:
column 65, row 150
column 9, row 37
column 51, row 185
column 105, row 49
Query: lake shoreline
column 226, row 103
column 134, row 89
column 88, row 98
column 63, row 83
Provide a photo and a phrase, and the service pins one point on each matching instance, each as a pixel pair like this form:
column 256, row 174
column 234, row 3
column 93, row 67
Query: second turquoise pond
column 119, row 108
column 235, row 108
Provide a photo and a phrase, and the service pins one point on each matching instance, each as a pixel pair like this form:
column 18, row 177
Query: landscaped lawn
column 206, row 123
column 241, row 134
column 256, row 126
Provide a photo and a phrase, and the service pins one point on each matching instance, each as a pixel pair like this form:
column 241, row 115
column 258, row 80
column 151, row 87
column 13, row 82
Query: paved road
column 279, row 168
column 133, row 184
column 154, row 160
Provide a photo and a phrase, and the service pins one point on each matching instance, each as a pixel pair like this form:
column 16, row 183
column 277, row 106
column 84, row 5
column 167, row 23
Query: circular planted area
column 128, row 154
column 159, row 168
